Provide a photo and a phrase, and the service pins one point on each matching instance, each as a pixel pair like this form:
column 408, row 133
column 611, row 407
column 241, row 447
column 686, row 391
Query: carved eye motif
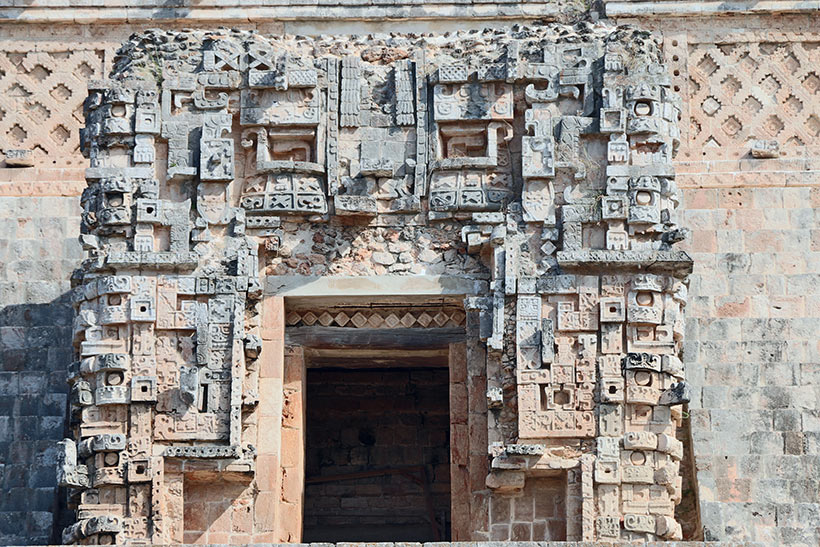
column 643, row 378
column 643, row 197
column 114, row 199
column 644, row 298
column 113, row 378
column 643, row 108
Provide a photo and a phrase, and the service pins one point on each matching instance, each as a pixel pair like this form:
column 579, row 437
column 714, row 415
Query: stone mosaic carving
column 550, row 156
column 386, row 318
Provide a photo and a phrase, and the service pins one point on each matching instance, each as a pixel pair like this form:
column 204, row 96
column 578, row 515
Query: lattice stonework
column 740, row 92
column 41, row 102
column 401, row 318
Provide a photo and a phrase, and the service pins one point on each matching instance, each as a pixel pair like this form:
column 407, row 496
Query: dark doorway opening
column 377, row 452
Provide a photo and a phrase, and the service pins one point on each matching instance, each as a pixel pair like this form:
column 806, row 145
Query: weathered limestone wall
column 43, row 73
column 37, row 256
column 751, row 353
column 753, row 291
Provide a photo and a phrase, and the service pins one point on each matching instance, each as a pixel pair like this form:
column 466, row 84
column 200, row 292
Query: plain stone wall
column 38, row 252
column 752, row 352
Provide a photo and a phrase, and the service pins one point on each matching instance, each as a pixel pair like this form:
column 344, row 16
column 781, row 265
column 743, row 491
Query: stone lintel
column 677, row 263
column 296, row 288
column 364, row 11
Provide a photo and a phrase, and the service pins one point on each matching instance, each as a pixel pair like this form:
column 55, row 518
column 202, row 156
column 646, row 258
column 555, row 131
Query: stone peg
column 507, row 482
column 678, row 394
column 19, row 158
column 253, row 346
column 764, row 148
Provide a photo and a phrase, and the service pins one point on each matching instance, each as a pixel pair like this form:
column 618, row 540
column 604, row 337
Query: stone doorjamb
column 281, row 426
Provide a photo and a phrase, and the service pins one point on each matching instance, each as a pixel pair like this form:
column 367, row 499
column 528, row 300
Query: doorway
column 377, row 454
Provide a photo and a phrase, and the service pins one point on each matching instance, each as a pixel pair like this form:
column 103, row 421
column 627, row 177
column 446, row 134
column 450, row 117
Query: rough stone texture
column 547, row 149
column 755, row 322
column 759, row 496
column 302, row 12
column 750, row 180
column 38, row 254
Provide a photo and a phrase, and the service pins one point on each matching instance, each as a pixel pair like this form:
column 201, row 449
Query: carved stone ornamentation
column 541, row 165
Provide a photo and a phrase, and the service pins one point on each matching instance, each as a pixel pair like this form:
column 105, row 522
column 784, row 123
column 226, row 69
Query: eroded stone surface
column 538, row 159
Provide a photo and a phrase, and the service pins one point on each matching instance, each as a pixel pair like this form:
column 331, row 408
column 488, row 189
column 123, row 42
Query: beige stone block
column 290, row 522
column 292, row 447
column 240, row 539
column 242, row 518
column 270, row 398
column 292, row 485
column 292, row 409
column 267, row 439
column 264, row 537
column 265, row 512
column 267, row 472
column 273, row 318
column 271, row 362
column 219, row 538
column 505, row 481
column 293, row 368
column 219, row 517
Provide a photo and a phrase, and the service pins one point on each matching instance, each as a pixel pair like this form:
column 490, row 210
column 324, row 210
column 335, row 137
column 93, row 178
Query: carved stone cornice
column 675, row 8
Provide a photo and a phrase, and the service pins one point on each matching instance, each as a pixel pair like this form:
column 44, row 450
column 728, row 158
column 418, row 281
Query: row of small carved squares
column 378, row 318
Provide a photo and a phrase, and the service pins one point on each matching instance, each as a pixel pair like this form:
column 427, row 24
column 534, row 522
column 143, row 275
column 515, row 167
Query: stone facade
column 208, row 151
column 746, row 169
column 752, row 318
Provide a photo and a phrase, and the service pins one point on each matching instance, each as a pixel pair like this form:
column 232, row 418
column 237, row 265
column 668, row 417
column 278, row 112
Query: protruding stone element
column 495, row 398
column 678, row 394
column 253, row 346
column 69, row 473
column 506, row 482
column 391, row 170
column 18, row 158
column 763, row 149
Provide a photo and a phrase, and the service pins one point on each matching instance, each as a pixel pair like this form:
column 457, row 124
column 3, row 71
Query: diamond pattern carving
column 743, row 91
column 41, row 96
column 375, row 318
